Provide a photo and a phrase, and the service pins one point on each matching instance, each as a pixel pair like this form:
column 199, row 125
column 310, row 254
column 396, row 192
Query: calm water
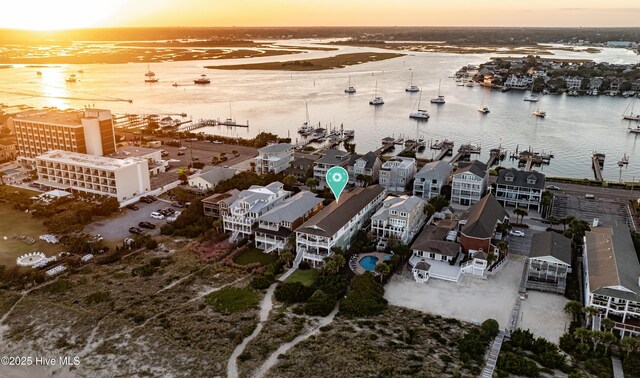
column 275, row 102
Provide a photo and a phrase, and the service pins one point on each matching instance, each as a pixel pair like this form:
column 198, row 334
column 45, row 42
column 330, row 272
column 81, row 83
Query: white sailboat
column 412, row 88
column 349, row 89
column 149, row 73
column 150, row 76
column 376, row 100
column 306, row 127
column 628, row 112
column 539, row 113
column 229, row 121
column 440, row 99
column 419, row 114
column 483, row 109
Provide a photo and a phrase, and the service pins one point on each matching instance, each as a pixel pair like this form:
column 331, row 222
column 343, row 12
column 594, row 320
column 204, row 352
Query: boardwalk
column 492, row 360
column 616, row 364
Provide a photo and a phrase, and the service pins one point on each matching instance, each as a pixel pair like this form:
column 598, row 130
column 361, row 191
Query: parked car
column 176, row 204
column 217, row 142
column 146, row 199
column 157, row 215
column 132, row 207
column 516, row 233
column 181, row 153
column 152, row 198
column 552, row 187
column 182, row 148
column 135, row 230
column 148, row 225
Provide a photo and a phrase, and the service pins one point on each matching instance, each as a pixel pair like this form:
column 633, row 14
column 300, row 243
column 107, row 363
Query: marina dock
column 597, row 162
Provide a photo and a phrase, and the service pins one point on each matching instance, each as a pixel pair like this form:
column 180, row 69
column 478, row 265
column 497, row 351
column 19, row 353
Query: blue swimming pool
column 368, row 262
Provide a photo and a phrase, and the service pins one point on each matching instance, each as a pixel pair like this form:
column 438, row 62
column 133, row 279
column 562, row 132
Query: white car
column 516, row 233
column 157, row 215
column 182, row 148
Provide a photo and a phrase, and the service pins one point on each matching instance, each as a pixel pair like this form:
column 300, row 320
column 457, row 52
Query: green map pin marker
column 337, row 178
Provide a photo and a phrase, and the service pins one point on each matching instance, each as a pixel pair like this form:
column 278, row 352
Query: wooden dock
column 445, row 147
column 495, row 154
column 385, row 148
column 597, row 162
column 465, row 151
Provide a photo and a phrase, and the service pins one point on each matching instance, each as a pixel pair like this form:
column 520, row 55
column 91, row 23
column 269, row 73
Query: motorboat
column 539, row 113
column 349, row 133
column 483, row 109
column 203, row 79
column 71, row 79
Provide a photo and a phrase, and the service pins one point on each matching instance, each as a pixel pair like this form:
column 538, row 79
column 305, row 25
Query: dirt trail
column 265, row 308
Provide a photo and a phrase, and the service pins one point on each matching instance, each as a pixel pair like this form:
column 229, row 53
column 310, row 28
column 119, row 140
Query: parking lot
column 204, row 152
column 116, row 228
column 520, row 245
column 607, row 209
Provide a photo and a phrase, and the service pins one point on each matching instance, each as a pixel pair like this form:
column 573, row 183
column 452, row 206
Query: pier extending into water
column 465, row 151
column 445, row 147
column 597, row 162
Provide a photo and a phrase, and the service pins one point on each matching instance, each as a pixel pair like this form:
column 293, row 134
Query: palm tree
column 565, row 221
column 520, row 213
column 289, row 181
column 287, row 256
column 582, row 334
column 630, row 345
column 573, row 308
column 608, row 324
column 253, row 166
column 382, row 269
column 503, row 247
column 217, row 224
column 591, row 312
column 333, row 264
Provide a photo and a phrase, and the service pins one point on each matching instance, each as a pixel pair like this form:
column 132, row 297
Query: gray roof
column 423, row 265
column 612, row 261
column 133, row 151
column 370, row 159
column 334, row 157
column 398, row 162
column 274, row 148
column 292, row 208
column 551, row 243
column 331, row 219
column 432, row 239
column 401, row 204
column 215, row 175
column 520, row 178
column 476, row 167
column 483, row 216
column 302, row 162
column 439, row 169
column 258, row 196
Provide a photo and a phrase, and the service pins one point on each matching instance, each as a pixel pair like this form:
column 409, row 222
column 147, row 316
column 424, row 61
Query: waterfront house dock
column 597, row 162
column 445, row 147
column 495, row 155
column 465, row 152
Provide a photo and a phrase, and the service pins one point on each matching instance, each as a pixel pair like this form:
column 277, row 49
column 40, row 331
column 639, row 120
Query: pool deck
column 355, row 263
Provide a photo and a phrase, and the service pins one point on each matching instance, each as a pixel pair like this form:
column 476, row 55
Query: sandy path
column 265, row 308
column 273, row 358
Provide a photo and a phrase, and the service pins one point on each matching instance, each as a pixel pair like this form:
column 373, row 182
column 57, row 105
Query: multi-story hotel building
column 337, row 224
column 88, row 131
column 120, row 178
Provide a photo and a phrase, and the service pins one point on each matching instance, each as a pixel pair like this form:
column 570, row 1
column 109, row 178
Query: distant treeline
column 459, row 35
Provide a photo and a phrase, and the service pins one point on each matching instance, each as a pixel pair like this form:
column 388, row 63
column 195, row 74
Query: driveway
column 472, row 299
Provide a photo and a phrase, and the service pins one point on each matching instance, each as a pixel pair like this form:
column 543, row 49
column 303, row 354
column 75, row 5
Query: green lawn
column 306, row 277
column 14, row 222
column 255, row 255
column 233, row 299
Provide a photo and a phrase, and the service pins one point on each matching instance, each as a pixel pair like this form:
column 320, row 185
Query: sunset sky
column 62, row 14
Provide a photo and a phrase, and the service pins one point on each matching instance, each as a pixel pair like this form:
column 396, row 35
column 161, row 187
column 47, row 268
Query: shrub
column 366, row 297
column 261, row 282
column 304, row 265
column 151, row 244
column 292, row 292
column 320, row 304
column 59, row 287
column 518, row 365
column 98, row 297
column 490, row 327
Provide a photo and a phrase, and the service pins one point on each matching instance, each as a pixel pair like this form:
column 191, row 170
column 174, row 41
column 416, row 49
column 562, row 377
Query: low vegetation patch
column 253, row 256
column 365, row 298
column 232, row 299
